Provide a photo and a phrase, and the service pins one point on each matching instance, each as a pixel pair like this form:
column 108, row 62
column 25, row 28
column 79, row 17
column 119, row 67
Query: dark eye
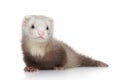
column 32, row 26
column 47, row 28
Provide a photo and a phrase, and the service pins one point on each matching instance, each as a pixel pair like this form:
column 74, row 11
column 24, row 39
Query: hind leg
column 58, row 68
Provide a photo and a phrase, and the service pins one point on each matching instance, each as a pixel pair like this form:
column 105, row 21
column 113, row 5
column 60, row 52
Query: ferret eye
column 32, row 26
column 47, row 28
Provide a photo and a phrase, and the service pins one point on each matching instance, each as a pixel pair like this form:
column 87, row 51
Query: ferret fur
column 49, row 53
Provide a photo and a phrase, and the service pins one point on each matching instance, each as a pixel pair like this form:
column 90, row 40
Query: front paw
column 30, row 69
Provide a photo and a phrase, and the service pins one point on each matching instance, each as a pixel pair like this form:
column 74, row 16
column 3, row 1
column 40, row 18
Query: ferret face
column 37, row 28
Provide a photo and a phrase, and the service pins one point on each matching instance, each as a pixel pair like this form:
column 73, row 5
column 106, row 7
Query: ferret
column 42, row 52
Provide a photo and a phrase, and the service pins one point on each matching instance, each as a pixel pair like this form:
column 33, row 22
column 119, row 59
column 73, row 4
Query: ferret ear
column 26, row 19
column 51, row 21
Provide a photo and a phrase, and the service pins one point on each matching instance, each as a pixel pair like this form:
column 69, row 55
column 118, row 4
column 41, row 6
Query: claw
column 30, row 69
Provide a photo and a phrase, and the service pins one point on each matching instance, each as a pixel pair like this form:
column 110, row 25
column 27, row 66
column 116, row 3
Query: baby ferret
column 42, row 51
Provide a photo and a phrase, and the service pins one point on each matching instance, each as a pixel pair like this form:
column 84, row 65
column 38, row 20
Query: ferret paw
column 58, row 68
column 30, row 69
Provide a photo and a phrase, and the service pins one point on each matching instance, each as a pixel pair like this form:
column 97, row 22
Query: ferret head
column 37, row 28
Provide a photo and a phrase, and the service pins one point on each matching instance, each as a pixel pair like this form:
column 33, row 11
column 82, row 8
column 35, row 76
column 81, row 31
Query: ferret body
column 42, row 51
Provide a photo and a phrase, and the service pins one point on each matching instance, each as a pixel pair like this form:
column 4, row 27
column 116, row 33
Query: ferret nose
column 41, row 33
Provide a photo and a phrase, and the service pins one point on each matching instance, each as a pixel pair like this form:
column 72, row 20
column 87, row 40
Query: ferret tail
column 89, row 62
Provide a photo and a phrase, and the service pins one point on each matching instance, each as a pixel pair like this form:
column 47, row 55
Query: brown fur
column 87, row 62
column 55, row 56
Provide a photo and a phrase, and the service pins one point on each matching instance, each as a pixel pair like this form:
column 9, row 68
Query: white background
column 91, row 27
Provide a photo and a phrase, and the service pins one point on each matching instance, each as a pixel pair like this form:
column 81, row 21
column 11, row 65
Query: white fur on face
column 40, row 23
